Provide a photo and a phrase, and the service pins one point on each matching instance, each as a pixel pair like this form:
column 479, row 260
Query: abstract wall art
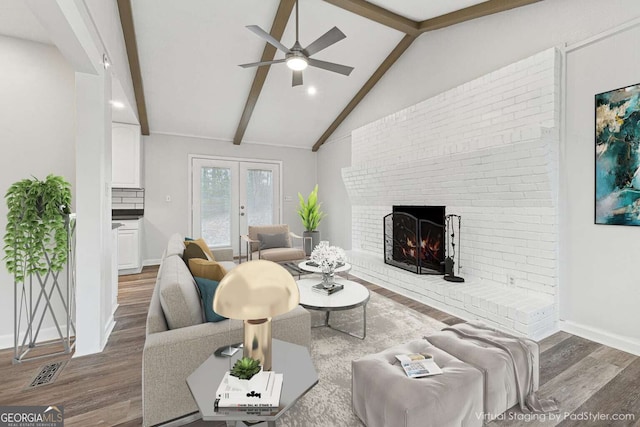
column 617, row 165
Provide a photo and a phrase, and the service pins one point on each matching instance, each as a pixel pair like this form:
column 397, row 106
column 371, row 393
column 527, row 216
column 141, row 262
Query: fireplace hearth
column 414, row 238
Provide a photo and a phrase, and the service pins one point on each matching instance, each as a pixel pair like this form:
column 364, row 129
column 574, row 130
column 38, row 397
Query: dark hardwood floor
column 105, row 389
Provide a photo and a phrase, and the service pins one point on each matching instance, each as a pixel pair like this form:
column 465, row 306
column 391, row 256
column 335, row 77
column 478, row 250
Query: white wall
column 336, row 226
column 600, row 288
column 488, row 151
column 37, row 134
column 446, row 58
column 166, row 167
column 106, row 18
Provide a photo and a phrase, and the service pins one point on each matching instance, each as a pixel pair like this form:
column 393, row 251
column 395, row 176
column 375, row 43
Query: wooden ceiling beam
column 277, row 29
column 379, row 15
column 472, row 12
column 375, row 77
column 126, row 20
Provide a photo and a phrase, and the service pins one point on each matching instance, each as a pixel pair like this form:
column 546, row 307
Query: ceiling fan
column 298, row 58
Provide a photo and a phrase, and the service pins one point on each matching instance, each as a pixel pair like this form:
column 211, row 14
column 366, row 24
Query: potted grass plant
column 311, row 215
column 36, row 226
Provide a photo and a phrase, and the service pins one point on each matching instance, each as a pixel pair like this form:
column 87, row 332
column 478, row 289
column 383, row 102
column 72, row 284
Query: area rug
column 329, row 402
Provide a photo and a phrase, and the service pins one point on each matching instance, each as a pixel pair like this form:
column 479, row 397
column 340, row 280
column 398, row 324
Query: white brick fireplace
column 488, row 151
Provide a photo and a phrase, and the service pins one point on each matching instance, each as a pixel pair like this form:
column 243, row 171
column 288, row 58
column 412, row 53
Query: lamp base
column 257, row 341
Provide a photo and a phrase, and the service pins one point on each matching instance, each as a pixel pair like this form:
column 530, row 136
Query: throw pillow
column 208, row 292
column 202, row 245
column 191, row 252
column 208, row 269
column 269, row 241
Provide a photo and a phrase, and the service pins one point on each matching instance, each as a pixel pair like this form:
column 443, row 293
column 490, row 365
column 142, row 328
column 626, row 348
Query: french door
column 229, row 195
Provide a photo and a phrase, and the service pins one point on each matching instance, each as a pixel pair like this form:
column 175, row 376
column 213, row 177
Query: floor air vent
column 47, row 374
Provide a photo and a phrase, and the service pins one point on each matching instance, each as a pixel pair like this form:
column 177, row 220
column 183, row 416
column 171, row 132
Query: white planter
column 257, row 382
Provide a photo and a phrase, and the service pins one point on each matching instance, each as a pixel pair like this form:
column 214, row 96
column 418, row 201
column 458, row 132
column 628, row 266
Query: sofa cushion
column 193, row 252
column 178, row 294
column 175, row 245
column 208, row 292
column 253, row 231
column 276, row 240
column 211, row 270
column 202, row 245
column 280, row 254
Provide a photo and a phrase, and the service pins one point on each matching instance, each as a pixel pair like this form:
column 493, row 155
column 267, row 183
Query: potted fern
column 311, row 215
column 36, row 226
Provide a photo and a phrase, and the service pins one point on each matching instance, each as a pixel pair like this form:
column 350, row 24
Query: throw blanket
column 517, row 351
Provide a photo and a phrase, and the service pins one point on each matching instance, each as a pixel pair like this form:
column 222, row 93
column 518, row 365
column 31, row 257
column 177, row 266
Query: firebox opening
column 415, row 238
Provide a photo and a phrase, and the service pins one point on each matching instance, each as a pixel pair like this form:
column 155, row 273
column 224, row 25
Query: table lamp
column 255, row 292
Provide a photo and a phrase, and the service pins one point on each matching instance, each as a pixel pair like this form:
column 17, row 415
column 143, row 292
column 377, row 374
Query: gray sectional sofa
column 171, row 354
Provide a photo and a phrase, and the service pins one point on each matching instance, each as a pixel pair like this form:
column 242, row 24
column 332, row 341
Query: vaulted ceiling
column 186, row 55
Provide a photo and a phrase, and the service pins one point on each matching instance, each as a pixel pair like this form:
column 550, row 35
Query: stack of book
column 265, row 392
column 327, row 291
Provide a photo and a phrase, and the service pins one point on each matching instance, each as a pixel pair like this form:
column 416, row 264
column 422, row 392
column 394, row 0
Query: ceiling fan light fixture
column 297, row 63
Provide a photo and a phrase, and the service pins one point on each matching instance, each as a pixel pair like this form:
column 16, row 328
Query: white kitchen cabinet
column 129, row 244
column 126, row 157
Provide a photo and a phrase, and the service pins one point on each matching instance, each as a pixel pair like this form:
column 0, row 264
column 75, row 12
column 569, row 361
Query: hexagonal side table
column 289, row 359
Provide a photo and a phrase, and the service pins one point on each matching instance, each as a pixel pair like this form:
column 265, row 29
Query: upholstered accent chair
column 274, row 243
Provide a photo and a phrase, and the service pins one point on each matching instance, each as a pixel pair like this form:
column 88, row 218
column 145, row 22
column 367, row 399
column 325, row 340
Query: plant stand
column 49, row 290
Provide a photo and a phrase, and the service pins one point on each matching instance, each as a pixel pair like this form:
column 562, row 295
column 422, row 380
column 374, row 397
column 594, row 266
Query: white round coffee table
column 304, row 265
column 353, row 295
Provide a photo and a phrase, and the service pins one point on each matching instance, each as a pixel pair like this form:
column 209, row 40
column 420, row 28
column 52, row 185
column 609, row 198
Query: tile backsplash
column 127, row 198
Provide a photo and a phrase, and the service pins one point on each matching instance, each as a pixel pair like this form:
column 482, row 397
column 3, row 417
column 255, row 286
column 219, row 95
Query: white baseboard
column 111, row 323
column 149, row 262
column 601, row 336
column 46, row 334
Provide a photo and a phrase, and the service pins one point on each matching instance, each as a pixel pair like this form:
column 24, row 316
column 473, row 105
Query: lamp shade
column 256, row 290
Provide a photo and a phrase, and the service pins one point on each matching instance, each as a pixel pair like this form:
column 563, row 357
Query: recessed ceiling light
column 117, row 104
column 312, row 90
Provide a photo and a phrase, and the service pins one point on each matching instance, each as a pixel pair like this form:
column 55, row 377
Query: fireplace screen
column 414, row 244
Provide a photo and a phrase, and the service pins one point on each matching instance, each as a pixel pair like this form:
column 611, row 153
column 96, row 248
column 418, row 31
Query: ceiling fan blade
column 332, row 36
column 297, row 78
column 330, row 66
column 258, row 64
column 268, row 37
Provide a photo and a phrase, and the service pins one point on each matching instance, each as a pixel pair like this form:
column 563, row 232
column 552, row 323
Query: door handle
column 241, row 213
column 241, row 207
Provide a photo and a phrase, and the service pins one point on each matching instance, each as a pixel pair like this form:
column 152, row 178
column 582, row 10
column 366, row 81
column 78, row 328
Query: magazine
column 417, row 365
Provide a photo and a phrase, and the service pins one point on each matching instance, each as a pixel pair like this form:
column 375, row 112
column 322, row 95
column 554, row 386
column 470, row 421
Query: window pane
column 215, row 206
column 259, row 197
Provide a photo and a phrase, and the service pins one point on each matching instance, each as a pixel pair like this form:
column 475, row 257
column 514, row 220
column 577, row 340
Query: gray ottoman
column 499, row 388
column 383, row 395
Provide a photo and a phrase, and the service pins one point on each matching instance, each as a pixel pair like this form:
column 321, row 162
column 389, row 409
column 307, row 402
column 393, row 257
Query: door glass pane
column 259, row 197
column 215, row 205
